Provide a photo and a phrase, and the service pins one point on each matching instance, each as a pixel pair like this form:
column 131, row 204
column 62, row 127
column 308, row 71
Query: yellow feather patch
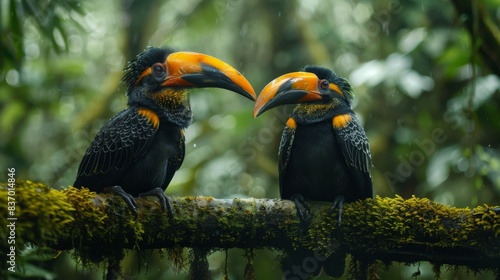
column 171, row 97
column 341, row 120
column 334, row 87
column 291, row 123
column 150, row 115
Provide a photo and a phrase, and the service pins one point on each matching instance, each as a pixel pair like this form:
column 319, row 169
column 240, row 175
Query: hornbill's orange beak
column 190, row 69
column 291, row 88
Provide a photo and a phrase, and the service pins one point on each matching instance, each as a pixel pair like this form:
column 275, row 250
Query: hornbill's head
column 314, row 85
column 157, row 71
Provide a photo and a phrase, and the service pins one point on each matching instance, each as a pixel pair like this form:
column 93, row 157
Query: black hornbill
column 137, row 152
column 324, row 153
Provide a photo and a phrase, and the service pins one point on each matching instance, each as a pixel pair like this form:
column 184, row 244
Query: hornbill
column 324, row 153
column 137, row 152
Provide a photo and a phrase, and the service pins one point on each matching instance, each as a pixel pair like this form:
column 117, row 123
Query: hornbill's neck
column 306, row 113
column 171, row 104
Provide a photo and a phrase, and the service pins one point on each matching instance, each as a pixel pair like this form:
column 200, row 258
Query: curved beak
column 291, row 88
column 190, row 69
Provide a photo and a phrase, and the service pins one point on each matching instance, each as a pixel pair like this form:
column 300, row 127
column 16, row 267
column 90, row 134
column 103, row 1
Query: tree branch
column 387, row 229
column 481, row 26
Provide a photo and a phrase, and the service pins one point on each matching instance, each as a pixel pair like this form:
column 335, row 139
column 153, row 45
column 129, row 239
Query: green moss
column 32, row 223
column 72, row 218
column 421, row 221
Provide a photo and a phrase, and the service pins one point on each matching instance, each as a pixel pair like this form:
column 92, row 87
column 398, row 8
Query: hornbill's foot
column 338, row 202
column 128, row 198
column 303, row 209
column 164, row 202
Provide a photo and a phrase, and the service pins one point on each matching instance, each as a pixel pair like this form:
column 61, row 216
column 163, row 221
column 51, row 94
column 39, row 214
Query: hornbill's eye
column 324, row 84
column 158, row 70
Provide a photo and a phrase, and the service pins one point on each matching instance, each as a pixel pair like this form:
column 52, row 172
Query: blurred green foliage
column 428, row 102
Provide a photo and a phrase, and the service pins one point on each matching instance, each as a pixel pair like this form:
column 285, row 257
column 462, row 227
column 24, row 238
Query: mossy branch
column 387, row 229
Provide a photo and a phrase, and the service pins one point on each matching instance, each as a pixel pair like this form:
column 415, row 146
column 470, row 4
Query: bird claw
column 302, row 208
column 129, row 199
column 338, row 202
column 164, row 202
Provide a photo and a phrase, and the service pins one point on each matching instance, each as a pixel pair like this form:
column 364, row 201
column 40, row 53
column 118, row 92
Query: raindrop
column 194, row 145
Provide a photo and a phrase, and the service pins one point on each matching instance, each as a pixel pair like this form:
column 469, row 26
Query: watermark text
column 11, row 218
